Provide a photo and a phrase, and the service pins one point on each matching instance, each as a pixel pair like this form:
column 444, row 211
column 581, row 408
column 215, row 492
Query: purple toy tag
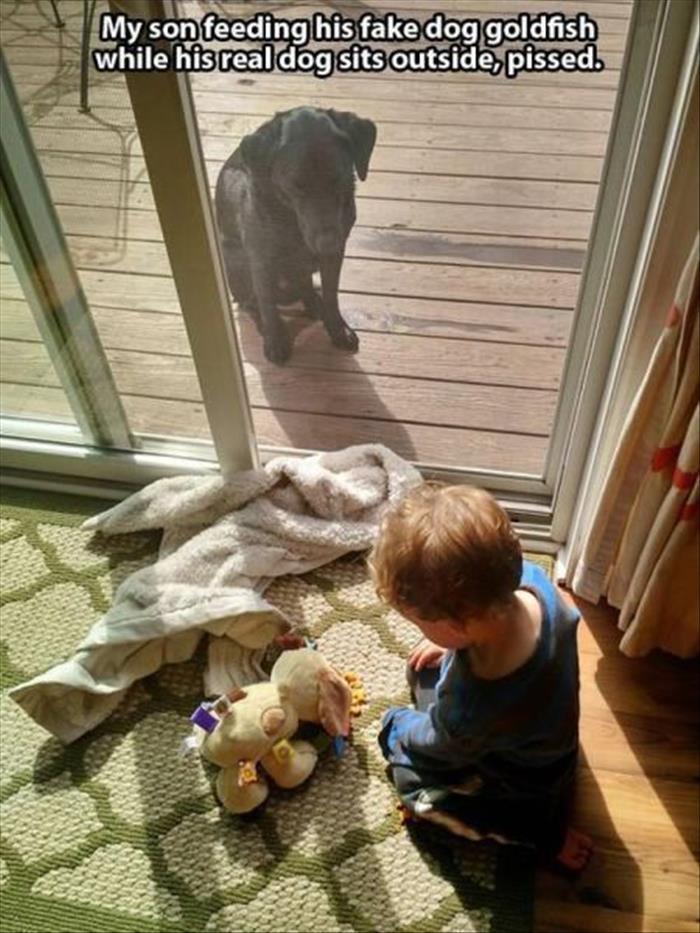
column 203, row 718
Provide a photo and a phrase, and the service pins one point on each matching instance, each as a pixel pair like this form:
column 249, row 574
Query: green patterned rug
column 117, row 832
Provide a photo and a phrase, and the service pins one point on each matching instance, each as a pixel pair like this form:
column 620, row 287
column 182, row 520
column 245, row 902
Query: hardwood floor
column 637, row 795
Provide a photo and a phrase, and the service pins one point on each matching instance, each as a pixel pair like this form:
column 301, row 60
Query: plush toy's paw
column 240, row 797
column 289, row 764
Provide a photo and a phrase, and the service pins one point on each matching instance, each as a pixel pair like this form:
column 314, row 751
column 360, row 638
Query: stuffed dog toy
column 285, row 205
column 255, row 725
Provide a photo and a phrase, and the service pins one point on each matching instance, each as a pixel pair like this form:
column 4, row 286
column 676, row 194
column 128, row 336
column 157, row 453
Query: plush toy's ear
column 334, row 700
column 258, row 149
column 362, row 135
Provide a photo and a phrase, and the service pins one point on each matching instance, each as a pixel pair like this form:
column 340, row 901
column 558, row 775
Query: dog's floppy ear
column 362, row 135
column 258, row 149
column 334, row 701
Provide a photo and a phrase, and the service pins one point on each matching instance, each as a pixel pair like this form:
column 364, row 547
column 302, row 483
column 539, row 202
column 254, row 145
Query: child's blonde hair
column 446, row 552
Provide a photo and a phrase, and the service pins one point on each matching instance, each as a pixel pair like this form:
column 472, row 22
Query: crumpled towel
column 223, row 543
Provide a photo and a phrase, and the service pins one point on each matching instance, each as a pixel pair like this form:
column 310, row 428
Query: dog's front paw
column 345, row 338
column 278, row 347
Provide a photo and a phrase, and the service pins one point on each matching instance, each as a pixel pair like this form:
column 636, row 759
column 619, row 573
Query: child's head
column 448, row 559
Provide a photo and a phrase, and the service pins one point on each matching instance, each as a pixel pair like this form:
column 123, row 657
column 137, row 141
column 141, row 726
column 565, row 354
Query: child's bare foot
column 576, row 850
column 288, row 641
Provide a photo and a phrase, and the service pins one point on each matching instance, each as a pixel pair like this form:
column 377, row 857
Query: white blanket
column 223, row 542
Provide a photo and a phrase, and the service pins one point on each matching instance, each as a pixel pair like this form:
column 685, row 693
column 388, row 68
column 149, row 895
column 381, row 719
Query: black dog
column 285, row 206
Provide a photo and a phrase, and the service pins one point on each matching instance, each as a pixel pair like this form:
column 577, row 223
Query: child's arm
column 420, row 739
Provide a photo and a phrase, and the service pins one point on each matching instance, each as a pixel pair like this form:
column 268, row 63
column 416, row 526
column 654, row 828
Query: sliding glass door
column 486, row 277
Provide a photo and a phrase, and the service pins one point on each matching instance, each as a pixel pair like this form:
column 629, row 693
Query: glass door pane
column 462, row 272
column 93, row 162
column 29, row 385
column 460, row 276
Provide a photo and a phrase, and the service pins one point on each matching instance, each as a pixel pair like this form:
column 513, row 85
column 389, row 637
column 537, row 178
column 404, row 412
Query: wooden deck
column 461, row 275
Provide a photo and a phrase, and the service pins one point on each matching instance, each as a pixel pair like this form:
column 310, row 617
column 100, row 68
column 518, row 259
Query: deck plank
column 427, row 247
column 553, row 288
column 346, row 393
column 33, row 78
column 380, row 353
column 425, row 444
column 395, row 88
column 125, row 329
column 487, row 192
column 218, row 130
column 545, row 288
column 462, row 361
column 218, row 106
column 101, row 142
column 40, row 62
column 523, row 223
column 433, row 445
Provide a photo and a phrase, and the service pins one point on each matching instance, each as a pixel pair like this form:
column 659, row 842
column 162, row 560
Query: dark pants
column 530, row 819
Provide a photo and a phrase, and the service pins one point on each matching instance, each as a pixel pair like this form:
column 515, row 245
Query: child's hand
column 426, row 654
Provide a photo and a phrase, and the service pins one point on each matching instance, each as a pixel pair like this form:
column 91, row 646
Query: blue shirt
column 518, row 733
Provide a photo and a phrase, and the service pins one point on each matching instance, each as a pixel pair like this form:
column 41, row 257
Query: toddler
column 491, row 746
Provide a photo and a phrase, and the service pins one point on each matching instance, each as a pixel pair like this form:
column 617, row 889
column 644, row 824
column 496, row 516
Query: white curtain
column 642, row 550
